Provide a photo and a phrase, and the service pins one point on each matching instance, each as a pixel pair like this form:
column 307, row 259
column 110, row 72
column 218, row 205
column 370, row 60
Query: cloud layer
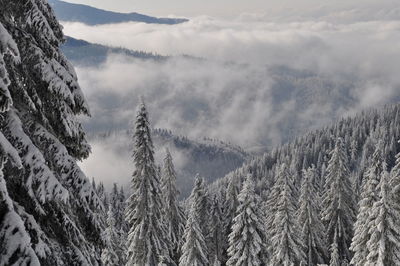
column 253, row 82
column 234, row 86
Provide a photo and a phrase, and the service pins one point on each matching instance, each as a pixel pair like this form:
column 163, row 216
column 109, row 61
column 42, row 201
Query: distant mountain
column 210, row 158
column 94, row 16
column 88, row 54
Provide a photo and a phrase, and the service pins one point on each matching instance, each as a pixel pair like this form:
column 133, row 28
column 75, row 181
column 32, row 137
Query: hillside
column 360, row 134
column 210, row 158
column 85, row 53
column 93, row 16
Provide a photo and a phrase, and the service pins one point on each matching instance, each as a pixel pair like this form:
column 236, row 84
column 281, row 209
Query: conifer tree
column 215, row 231
column 229, row 212
column 338, row 203
column 247, row 239
column 383, row 245
column 48, row 206
column 335, row 257
column 122, row 210
column 395, row 178
column 147, row 242
column 194, row 248
column 312, row 229
column 216, row 262
column 286, row 245
column 109, row 255
column 273, row 197
column 173, row 214
column 200, row 196
column 369, row 195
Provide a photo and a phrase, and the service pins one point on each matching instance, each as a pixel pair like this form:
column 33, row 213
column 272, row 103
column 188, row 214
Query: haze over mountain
column 84, row 53
column 93, row 16
column 247, row 81
column 210, row 158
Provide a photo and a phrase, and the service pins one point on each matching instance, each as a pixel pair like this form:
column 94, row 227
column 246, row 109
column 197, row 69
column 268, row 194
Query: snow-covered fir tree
column 383, row 245
column 335, row 256
column 147, row 238
column 230, row 205
column 49, row 210
column 200, row 196
column 173, row 214
column 215, row 231
column 338, row 211
column 194, row 248
column 271, row 207
column 369, row 195
column 109, row 255
column 395, row 179
column 286, row 244
column 117, row 205
column 312, row 228
column 247, row 239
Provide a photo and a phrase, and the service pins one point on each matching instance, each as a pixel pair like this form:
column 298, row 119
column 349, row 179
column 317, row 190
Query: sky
column 228, row 8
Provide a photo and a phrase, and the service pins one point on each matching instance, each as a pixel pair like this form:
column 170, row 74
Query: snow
column 49, row 186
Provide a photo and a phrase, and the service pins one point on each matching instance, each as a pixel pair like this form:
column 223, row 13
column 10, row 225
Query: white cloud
column 235, row 93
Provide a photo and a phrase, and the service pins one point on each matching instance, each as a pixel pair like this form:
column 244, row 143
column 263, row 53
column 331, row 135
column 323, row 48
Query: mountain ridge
column 94, row 16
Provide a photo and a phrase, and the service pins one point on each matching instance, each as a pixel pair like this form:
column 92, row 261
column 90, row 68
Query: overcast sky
column 227, row 8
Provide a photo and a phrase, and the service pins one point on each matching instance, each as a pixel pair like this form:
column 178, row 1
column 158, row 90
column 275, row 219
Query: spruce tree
column 247, row 238
column 286, row 244
column 109, row 255
column 383, row 245
column 229, row 212
column 312, row 229
column 369, row 195
column 335, row 256
column 215, row 231
column 173, row 214
column 122, row 209
column 338, row 203
column 200, row 195
column 147, row 241
column 194, row 248
column 48, row 206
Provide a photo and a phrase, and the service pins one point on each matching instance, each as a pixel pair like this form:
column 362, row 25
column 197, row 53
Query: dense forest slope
column 360, row 134
column 343, row 164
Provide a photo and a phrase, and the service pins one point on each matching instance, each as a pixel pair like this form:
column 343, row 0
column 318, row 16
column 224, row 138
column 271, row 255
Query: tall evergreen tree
column 383, row 245
column 335, row 256
column 312, row 229
column 123, row 227
column 147, row 241
column 194, row 248
column 247, row 239
column 48, row 206
column 229, row 212
column 109, row 255
column 338, row 203
column 369, row 195
column 173, row 214
column 215, row 231
column 200, row 196
column 286, row 244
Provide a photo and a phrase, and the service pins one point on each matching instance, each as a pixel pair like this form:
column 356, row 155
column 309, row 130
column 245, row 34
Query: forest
column 330, row 197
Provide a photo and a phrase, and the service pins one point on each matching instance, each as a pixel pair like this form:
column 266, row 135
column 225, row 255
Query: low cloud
column 253, row 82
